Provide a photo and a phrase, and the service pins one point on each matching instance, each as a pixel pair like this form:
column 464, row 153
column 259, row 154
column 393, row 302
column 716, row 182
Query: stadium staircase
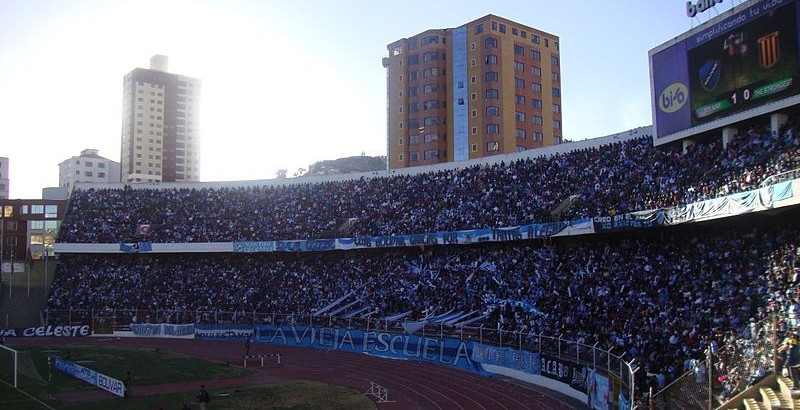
column 776, row 393
column 23, row 299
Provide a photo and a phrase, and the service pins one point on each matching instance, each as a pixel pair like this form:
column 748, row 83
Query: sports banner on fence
column 223, row 332
column 575, row 227
column 47, row 331
column 450, row 352
column 163, row 330
column 571, row 374
column 90, row 376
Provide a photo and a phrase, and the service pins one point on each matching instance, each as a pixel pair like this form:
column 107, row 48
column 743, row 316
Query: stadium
column 653, row 268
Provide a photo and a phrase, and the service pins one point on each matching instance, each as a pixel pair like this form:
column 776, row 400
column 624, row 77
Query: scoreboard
column 731, row 65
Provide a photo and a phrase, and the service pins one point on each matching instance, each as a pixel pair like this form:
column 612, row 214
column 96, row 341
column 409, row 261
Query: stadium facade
column 160, row 136
column 491, row 86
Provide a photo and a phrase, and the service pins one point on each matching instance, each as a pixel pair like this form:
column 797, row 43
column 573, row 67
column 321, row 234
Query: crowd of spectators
column 662, row 297
column 615, row 178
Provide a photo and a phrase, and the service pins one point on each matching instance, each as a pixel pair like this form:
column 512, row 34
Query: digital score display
column 733, row 64
column 745, row 67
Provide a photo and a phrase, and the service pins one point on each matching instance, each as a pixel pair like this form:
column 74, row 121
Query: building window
column 518, row 66
column 413, row 156
column 492, row 111
column 478, row 29
column 519, row 83
column 494, row 25
column 431, row 105
column 431, row 154
column 492, row 76
column 492, row 146
column 429, row 40
column 8, row 211
column 474, row 130
column 413, row 59
column 556, row 124
column 430, row 56
column 554, row 61
column 556, row 77
column 492, row 94
column 523, row 34
column 51, row 211
column 520, row 99
column 546, row 42
column 537, row 87
column 520, row 116
column 430, row 72
column 556, row 108
column 473, row 79
column 536, row 39
column 537, row 103
column 474, row 147
column 413, row 139
column 514, row 31
column 537, row 120
column 430, row 88
column 473, row 96
column 88, row 173
column 400, row 157
column 536, row 55
column 492, row 128
column 503, row 28
column 491, row 59
column 460, row 85
column 538, row 136
column 520, row 133
column 556, row 92
column 412, row 92
column 413, row 123
column 412, row 108
column 413, row 75
column 474, row 113
column 537, row 71
column 473, row 62
column 490, row 42
column 431, row 137
column 519, row 50
column 430, row 121
column 37, row 209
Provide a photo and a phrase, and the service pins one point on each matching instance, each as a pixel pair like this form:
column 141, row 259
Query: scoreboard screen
column 738, row 63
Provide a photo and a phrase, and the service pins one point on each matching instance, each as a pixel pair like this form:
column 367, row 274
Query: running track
column 410, row 385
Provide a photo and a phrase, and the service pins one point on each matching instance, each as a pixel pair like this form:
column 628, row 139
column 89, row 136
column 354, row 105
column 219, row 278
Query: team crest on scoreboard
column 768, row 50
column 709, row 74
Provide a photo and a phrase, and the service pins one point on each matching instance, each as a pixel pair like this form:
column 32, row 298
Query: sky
column 281, row 79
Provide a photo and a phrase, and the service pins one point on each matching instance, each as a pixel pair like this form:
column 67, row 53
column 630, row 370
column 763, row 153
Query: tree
column 280, row 174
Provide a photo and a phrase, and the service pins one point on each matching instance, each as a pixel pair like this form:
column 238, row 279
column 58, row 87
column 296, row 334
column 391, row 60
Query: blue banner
column 516, row 233
column 162, row 330
column 519, row 360
column 571, row 374
column 136, row 247
column 90, row 376
column 223, row 332
column 450, row 352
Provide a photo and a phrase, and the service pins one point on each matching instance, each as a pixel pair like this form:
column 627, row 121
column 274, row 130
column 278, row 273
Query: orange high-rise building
column 491, row 86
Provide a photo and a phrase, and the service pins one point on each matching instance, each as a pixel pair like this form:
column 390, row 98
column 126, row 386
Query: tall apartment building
column 489, row 87
column 88, row 167
column 4, row 187
column 160, row 136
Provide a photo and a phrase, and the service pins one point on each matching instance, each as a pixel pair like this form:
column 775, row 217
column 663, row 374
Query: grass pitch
column 150, row 366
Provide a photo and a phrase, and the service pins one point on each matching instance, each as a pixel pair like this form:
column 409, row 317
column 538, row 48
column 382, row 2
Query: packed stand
column 616, row 178
column 662, row 297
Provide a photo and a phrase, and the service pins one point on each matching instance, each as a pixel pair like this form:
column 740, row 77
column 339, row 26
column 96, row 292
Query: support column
column 776, row 121
column 687, row 142
column 727, row 136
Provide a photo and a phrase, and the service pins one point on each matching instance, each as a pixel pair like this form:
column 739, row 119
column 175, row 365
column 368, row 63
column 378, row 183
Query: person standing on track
column 203, row 398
